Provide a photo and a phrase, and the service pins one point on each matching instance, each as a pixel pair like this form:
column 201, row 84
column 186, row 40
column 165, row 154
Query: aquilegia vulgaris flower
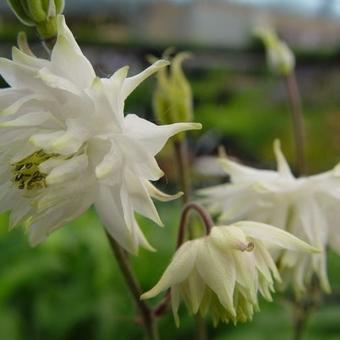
column 65, row 144
column 307, row 207
column 222, row 273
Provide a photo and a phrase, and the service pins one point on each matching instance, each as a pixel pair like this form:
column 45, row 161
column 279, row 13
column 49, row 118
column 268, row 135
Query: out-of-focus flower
column 66, row 144
column 172, row 99
column 307, row 207
column 280, row 58
column 41, row 14
column 222, row 273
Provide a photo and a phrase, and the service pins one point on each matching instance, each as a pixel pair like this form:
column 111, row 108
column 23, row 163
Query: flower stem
column 148, row 319
column 207, row 221
column 181, row 155
column 300, row 321
column 298, row 122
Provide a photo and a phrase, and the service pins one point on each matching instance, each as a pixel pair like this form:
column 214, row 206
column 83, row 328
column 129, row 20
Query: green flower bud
column 39, row 13
column 172, row 98
column 280, row 58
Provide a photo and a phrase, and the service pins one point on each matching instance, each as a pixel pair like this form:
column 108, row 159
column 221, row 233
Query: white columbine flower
column 65, row 144
column 307, row 207
column 222, row 273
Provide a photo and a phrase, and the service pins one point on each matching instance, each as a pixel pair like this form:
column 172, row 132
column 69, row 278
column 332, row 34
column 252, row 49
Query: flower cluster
column 65, row 144
column 306, row 207
column 222, row 273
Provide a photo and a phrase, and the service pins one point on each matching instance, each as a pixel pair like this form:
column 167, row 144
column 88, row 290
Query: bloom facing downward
column 66, row 144
column 222, row 273
column 306, row 207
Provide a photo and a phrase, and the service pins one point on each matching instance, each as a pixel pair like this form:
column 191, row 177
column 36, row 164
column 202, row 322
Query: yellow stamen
column 26, row 173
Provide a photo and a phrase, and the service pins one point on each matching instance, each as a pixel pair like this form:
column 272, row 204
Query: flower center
column 26, row 174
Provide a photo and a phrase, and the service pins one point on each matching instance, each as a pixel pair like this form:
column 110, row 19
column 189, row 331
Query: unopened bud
column 280, row 58
column 38, row 13
column 172, row 99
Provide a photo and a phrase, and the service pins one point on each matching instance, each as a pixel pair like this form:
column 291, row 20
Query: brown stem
column 298, row 122
column 149, row 321
column 301, row 314
column 207, row 221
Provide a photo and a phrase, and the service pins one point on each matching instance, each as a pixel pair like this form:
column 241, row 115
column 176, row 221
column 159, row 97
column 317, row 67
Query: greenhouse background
column 70, row 287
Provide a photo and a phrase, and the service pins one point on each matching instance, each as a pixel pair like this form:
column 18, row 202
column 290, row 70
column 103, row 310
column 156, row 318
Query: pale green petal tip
column 161, row 63
column 196, row 126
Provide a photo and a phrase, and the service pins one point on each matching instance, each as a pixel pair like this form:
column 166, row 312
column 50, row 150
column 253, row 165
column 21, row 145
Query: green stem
column 181, row 155
column 148, row 319
column 298, row 122
column 182, row 159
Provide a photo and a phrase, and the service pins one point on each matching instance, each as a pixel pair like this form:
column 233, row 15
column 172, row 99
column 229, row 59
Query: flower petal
column 152, row 136
column 67, row 59
column 178, row 270
column 274, row 236
column 132, row 82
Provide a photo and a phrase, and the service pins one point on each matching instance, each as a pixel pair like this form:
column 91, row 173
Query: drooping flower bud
column 40, row 14
column 172, row 99
column 222, row 274
column 280, row 58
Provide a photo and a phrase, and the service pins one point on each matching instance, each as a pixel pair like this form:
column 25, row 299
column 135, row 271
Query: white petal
column 14, row 107
column 217, row 270
column 153, row 137
column 274, row 236
column 178, row 270
column 282, row 164
column 241, row 173
column 112, row 88
column 140, row 198
column 27, row 60
column 57, row 82
column 47, row 222
column 132, row 82
column 28, row 119
column 68, row 60
column 160, row 195
column 138, row 157
column 67, row 170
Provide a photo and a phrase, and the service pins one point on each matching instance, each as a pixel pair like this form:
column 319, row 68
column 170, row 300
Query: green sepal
column 48, row 29
column 36, row 10
column 20, row 12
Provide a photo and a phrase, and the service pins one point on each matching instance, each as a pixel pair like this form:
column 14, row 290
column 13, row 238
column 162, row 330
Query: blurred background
column 70, row 287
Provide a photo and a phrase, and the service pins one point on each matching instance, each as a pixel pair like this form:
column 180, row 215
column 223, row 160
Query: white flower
column 223, row 273
column 307, row 207
column 65, row 144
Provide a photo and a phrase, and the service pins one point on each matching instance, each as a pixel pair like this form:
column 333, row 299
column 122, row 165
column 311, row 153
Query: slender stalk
column 148, row 319
column 298, row 122
column 207, row 221
column 181, row 155
column 301, row 314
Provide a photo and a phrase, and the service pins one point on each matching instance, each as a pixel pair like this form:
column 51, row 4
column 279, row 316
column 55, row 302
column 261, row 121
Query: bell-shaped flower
column 307, row 207
column 223, row 273
column 66, row 144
